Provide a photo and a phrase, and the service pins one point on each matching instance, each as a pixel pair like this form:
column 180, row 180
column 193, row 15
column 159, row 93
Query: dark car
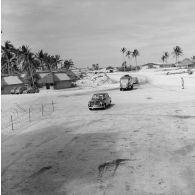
column 99, row 100
column 20, row 90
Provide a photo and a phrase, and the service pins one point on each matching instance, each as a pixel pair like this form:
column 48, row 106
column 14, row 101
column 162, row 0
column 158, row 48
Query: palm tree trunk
column 124, row 61
column 129, row 64
column 30, row 70
column 8, row 66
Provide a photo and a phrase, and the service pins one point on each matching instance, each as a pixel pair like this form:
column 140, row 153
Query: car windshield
column 98, row 96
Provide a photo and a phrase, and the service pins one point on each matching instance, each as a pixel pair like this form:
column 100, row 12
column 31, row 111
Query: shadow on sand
column 61, row 158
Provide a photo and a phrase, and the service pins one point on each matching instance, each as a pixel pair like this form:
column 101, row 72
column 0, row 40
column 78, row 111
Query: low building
column 54, row 80
column 186, row 63
column 150, row 65
column 10, row 82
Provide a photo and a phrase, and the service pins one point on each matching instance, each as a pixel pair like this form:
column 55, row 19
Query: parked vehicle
column 20, row 90
column 135, row 80
column 126, row 82
column 99, row 100
column 13, row 90
column 31, row 90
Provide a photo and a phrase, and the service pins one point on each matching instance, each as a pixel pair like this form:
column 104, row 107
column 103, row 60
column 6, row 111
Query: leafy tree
column 177, row 52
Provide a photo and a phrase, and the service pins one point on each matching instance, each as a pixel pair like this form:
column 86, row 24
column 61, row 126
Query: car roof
column 126, row 76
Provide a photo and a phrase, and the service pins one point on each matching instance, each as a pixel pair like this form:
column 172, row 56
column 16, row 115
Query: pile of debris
column 95, row 79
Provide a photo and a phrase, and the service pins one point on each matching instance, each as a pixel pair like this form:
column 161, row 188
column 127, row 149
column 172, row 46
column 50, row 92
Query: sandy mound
column 95, row 79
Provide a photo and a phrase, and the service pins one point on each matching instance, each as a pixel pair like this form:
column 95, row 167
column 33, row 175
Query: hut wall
column 62, row 84
column 6, row 89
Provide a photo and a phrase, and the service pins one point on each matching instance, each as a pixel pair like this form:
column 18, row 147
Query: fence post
column 42, row 109
column 29, row 115
column 53, row 105
column 12, row 123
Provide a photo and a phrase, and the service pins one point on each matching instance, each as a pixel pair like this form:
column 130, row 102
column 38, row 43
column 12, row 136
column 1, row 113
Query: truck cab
column 126, row 82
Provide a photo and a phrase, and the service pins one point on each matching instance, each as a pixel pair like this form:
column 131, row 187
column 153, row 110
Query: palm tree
column 124, row 65
column 56, row 61
column 8, row 64
column 128, row 54
column 18, row 57
column 177, row 52
column 7, row 54
column 166, row 54
column 40, row 57
column 28, row 62
column 163, row 58
column 123, row 50
column 69, row 63
column 135, row 53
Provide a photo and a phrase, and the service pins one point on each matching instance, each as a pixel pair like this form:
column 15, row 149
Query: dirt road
column 152, row 127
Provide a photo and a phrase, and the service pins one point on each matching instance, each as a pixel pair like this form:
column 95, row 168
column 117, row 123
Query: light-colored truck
column 126, row 82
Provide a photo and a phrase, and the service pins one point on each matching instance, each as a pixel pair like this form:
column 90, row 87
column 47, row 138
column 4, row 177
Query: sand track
column 61, row 153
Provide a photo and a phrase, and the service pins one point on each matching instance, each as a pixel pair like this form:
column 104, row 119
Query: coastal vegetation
column 23, row 60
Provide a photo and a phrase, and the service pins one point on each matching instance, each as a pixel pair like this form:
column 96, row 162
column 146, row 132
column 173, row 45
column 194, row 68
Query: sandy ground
column 152, row 126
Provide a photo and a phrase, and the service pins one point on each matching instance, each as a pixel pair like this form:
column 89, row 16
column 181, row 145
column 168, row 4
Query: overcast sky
column 93, row 31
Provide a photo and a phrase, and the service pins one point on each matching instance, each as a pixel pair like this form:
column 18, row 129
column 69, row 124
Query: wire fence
column 18, row 116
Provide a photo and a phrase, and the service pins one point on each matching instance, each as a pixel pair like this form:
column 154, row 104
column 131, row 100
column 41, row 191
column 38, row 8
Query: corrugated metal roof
column 61, row 77
column 52, row 77
column 11, row 80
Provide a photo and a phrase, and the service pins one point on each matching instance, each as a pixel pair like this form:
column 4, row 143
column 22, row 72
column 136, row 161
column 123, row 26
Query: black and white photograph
column 98, row 97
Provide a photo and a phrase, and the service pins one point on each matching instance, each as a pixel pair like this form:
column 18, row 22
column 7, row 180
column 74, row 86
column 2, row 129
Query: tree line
column 127, row 53
column 23, row 60
column 177, row 52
